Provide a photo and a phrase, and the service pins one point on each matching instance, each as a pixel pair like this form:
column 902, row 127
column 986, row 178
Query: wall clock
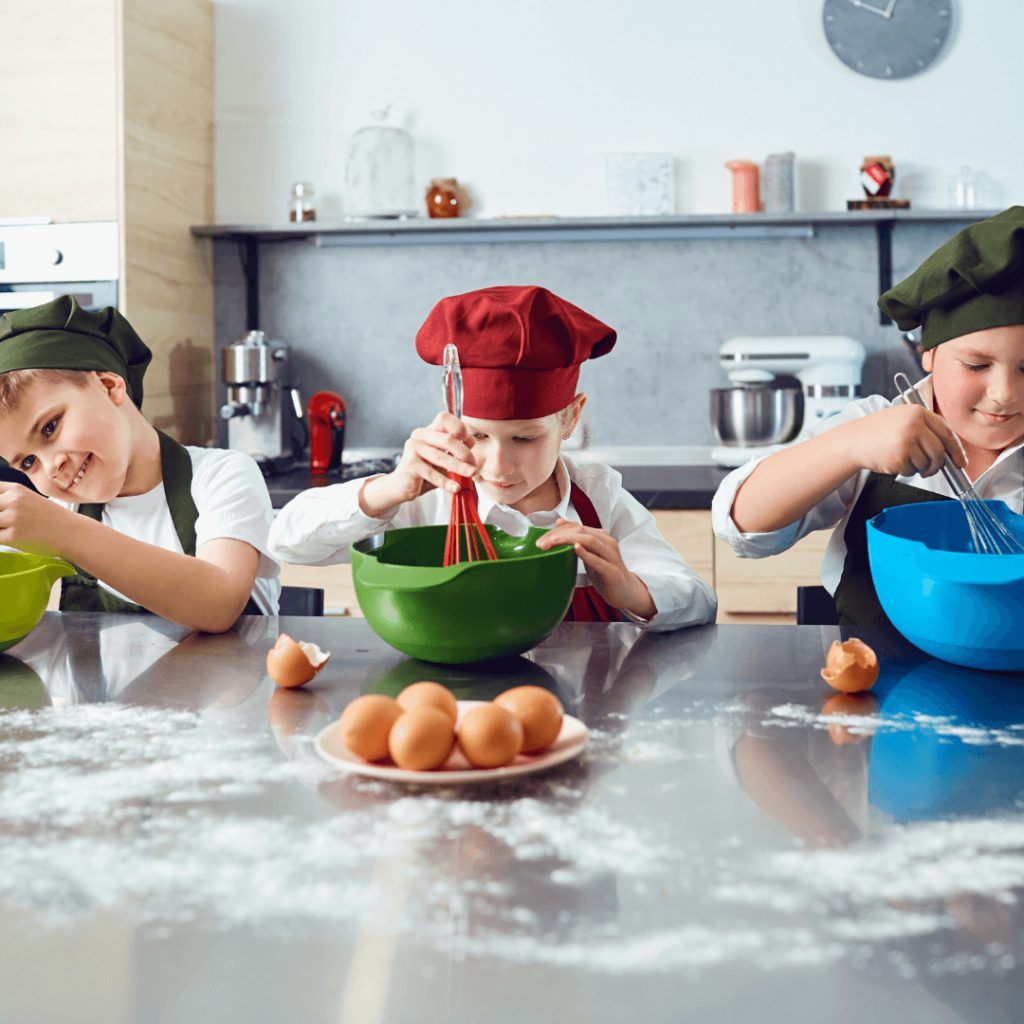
column 887, row 38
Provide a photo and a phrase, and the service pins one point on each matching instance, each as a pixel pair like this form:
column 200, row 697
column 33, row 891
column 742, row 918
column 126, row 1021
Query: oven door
column 91, row 295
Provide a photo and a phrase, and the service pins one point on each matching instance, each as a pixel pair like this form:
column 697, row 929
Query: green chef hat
column 973, row 282
column 60, row 335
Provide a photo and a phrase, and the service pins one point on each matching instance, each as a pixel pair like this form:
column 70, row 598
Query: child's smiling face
column 978, row 383
column 516, row 458
column 75, row 443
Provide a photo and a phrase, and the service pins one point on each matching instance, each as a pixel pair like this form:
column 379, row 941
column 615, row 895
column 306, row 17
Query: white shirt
column 231, row 497
column 317, row 527
column 1003, row 480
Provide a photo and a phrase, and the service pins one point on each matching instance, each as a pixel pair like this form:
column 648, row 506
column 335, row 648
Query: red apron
column 587, row 604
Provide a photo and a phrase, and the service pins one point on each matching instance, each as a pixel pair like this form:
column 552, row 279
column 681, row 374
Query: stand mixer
column 260, row 424
column 781, row 388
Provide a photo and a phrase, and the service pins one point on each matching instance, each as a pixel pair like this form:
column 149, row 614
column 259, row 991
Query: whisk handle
column 452, row 381
column 955, row 476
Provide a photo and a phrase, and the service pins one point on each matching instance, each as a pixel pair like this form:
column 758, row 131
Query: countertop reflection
column 734, row 844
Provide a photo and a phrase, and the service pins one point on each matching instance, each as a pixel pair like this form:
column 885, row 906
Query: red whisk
column 467, row 539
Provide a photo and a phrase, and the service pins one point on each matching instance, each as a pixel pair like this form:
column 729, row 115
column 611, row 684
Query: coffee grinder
column 260, row 420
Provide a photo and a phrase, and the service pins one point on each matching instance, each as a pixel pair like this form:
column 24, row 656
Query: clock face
column 887, row 38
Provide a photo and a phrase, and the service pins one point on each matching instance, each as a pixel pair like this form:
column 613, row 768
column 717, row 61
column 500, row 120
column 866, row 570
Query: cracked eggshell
column 291, row 663
column 851, row 666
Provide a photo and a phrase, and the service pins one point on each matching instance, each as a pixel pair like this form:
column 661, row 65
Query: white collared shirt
column 317, row 527
column 1003, row 480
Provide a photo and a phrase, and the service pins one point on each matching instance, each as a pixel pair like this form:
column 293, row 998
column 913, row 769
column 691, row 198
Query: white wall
column 522, row 99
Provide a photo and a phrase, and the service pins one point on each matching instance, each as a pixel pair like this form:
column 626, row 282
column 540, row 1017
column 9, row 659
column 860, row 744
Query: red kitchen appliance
column 326, row 432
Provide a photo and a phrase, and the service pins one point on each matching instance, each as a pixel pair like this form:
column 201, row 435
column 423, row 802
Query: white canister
column 379, row 173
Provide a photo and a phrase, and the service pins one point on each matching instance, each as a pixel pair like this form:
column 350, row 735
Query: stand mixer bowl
column 756, row 416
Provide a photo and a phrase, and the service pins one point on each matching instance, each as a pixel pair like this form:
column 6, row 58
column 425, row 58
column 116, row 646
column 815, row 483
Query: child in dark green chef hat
column 967, row 299
column 149, row 524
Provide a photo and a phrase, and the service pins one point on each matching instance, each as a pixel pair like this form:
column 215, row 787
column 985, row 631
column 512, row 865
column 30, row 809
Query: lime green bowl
column 472, row 611
column 25, row 582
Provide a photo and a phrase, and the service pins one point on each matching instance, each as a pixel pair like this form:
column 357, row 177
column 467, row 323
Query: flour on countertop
column 173, row 819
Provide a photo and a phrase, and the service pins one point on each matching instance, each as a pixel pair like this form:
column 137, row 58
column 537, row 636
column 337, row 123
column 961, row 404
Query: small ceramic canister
column 745, row 186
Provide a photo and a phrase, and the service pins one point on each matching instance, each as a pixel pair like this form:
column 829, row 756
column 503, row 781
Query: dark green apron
column 82, row 592
column 856, row 601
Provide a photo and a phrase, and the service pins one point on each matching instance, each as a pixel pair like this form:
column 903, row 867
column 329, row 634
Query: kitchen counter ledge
column 656, row 479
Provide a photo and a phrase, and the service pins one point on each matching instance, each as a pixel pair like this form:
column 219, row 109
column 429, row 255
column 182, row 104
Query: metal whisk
column 989, row 535
column 465, row 527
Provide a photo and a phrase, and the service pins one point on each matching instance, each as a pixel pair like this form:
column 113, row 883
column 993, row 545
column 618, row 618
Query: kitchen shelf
column 425, row 231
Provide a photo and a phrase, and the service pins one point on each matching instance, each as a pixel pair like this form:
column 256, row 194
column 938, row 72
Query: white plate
column 571, row 740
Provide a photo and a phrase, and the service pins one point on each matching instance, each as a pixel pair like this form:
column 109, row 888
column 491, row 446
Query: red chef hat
column 520, row 348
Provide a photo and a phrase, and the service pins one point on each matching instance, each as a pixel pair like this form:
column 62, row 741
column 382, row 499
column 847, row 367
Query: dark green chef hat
column 60, row 335
column 973, row 282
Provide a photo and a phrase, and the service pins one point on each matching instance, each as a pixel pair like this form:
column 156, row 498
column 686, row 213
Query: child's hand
column 30, row 522
column 427, row 457
column 904, row 439
column 599, row 551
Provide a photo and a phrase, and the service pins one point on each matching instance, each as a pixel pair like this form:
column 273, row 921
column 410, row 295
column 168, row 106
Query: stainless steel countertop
column 174, row 850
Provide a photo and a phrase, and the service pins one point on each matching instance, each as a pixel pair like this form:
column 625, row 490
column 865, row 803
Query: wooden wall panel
column 167, row 281
column 59, row 109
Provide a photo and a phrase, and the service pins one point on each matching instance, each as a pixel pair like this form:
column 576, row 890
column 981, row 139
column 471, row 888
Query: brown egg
column 429, row 695
column 851, row 666
column 366, row 723
column 490, row 736
column 421, row 739
column 293, row 664
column 849, row 704
column 539, row 712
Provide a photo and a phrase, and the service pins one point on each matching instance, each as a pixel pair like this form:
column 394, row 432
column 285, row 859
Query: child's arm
column 207, row 592
column 632, row 566
column 317, row 526
column 599, row 552
column 427, row 457
column 903, row 439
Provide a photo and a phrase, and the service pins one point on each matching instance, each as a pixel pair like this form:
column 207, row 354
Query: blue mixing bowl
column 956, row 605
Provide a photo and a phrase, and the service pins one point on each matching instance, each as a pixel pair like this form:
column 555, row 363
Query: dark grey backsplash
column 350, row 315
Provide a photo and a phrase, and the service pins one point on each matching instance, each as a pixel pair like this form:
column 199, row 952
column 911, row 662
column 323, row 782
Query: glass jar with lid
column 302, row 205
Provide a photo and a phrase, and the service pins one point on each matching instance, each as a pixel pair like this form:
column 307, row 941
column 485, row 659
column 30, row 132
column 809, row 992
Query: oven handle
column 22, row 300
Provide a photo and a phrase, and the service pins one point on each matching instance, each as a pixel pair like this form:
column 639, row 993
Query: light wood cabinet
column 768, row 585
column 689, row 532
column 107, row 114
column 749, row 589
column 334, row 580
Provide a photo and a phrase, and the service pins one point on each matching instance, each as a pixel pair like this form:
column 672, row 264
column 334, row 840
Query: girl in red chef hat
column 520, row 349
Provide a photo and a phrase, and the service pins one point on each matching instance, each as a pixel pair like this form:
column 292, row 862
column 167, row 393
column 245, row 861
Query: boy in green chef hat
column 967, row 299
column 149, row 524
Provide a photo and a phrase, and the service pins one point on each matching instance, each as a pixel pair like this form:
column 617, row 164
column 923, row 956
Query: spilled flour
column 173, row 819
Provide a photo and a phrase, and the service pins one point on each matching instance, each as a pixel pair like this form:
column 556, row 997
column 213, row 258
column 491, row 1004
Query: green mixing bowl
column 472, row 611
column 25, row 582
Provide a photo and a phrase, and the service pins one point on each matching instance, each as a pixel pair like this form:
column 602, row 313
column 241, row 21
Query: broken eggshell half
column 294, row 663
column 851, row 666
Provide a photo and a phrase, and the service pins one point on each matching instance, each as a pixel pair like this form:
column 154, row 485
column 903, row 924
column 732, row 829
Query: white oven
column 39, row 261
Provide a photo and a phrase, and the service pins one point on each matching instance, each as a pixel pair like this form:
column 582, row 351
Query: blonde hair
column 14, row 383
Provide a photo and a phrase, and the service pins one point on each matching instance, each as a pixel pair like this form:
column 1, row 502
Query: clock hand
column 874, row 10
column 888, row 10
